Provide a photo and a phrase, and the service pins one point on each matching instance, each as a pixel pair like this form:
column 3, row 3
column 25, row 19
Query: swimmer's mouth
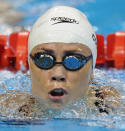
column 57, row 94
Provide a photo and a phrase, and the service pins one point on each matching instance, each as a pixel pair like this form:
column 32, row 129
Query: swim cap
column 63, row 24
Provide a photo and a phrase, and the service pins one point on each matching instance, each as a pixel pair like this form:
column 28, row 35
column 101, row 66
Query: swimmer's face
column 58, row 86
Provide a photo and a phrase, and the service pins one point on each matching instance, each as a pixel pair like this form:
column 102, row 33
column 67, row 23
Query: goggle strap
column 89, row 57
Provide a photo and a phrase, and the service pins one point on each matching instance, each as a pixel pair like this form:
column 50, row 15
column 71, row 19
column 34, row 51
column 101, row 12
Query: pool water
column 66, row 119
column 52, row 125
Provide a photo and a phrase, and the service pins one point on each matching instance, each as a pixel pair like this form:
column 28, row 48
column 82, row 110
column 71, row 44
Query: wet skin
column 75, row 83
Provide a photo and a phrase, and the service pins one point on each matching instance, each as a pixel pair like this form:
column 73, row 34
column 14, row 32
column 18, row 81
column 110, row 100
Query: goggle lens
column 43, row 61
column 72, row 63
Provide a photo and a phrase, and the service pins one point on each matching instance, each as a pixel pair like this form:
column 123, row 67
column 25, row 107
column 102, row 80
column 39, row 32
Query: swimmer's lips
column 57, row 94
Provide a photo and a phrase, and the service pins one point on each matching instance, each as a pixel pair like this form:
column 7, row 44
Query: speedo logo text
column 58, row 20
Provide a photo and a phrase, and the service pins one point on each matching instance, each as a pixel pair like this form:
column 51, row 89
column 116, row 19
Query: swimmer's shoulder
column 29, row 107
column 20, row 103
column 105, row 99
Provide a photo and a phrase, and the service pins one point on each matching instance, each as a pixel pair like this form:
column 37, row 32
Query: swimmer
column 62, row 56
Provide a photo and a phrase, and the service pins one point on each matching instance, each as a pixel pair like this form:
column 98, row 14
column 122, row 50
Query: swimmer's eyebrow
column 72, row 51
column 50, row 51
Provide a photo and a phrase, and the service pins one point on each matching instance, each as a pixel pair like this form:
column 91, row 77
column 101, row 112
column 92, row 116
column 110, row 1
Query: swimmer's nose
column 59, row 74
column 58, row 78
column 58, row 92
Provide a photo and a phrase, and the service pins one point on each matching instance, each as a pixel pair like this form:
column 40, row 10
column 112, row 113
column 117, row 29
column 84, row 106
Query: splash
column 19, row 84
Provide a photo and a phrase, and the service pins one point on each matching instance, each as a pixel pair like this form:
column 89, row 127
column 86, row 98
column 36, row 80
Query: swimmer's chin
column 54, row 105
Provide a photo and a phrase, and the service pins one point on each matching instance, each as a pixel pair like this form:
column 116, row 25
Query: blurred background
column 107, row 16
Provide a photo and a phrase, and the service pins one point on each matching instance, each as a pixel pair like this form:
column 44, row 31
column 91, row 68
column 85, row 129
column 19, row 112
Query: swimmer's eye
column 71, row 62
column 43, row 60
column 74, row 61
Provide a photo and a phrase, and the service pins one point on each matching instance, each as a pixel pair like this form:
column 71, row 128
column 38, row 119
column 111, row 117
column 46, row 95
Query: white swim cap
column 63, row 24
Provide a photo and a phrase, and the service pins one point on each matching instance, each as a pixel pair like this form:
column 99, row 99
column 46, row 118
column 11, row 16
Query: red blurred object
column 116, row 50
column 100, row 50
column 19, row 46
column 3, row 42
column 7, row 58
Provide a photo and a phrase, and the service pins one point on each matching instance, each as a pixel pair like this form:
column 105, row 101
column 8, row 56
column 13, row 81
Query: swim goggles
column 70, row 62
